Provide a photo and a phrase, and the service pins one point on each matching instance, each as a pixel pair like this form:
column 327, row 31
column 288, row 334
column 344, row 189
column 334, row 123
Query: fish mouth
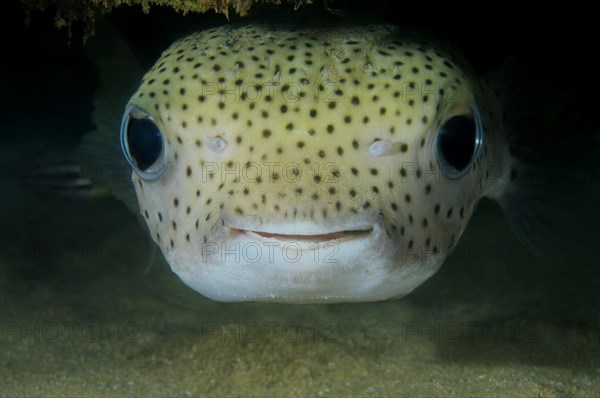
column 337, row 236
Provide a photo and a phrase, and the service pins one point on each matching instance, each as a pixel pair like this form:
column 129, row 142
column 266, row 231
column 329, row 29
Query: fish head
column 305, row 165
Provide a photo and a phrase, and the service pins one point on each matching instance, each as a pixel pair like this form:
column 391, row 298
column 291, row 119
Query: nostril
column 217, row 144
column 380, row 147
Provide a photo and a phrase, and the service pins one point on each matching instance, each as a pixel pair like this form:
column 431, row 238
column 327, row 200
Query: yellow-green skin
column 285, row 170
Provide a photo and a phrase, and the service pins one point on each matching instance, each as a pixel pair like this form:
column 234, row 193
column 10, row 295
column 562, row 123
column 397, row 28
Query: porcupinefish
column 311, row 165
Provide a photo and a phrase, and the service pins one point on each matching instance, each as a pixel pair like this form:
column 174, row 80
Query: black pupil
column 457, row 141
column 144, row 141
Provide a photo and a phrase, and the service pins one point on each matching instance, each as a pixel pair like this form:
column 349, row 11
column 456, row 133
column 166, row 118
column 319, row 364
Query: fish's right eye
column 142, row 143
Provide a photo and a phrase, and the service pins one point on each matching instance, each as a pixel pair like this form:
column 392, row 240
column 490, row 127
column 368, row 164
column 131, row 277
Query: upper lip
column 334, row 235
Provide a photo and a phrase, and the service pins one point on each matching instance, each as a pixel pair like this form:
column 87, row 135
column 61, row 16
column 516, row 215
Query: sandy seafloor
column 81, row 316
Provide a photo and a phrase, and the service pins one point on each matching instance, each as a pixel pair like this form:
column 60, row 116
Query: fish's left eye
column 142, row 143
column 458, row 143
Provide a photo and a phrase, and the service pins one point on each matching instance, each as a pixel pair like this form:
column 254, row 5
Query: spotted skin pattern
column 272, row 131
